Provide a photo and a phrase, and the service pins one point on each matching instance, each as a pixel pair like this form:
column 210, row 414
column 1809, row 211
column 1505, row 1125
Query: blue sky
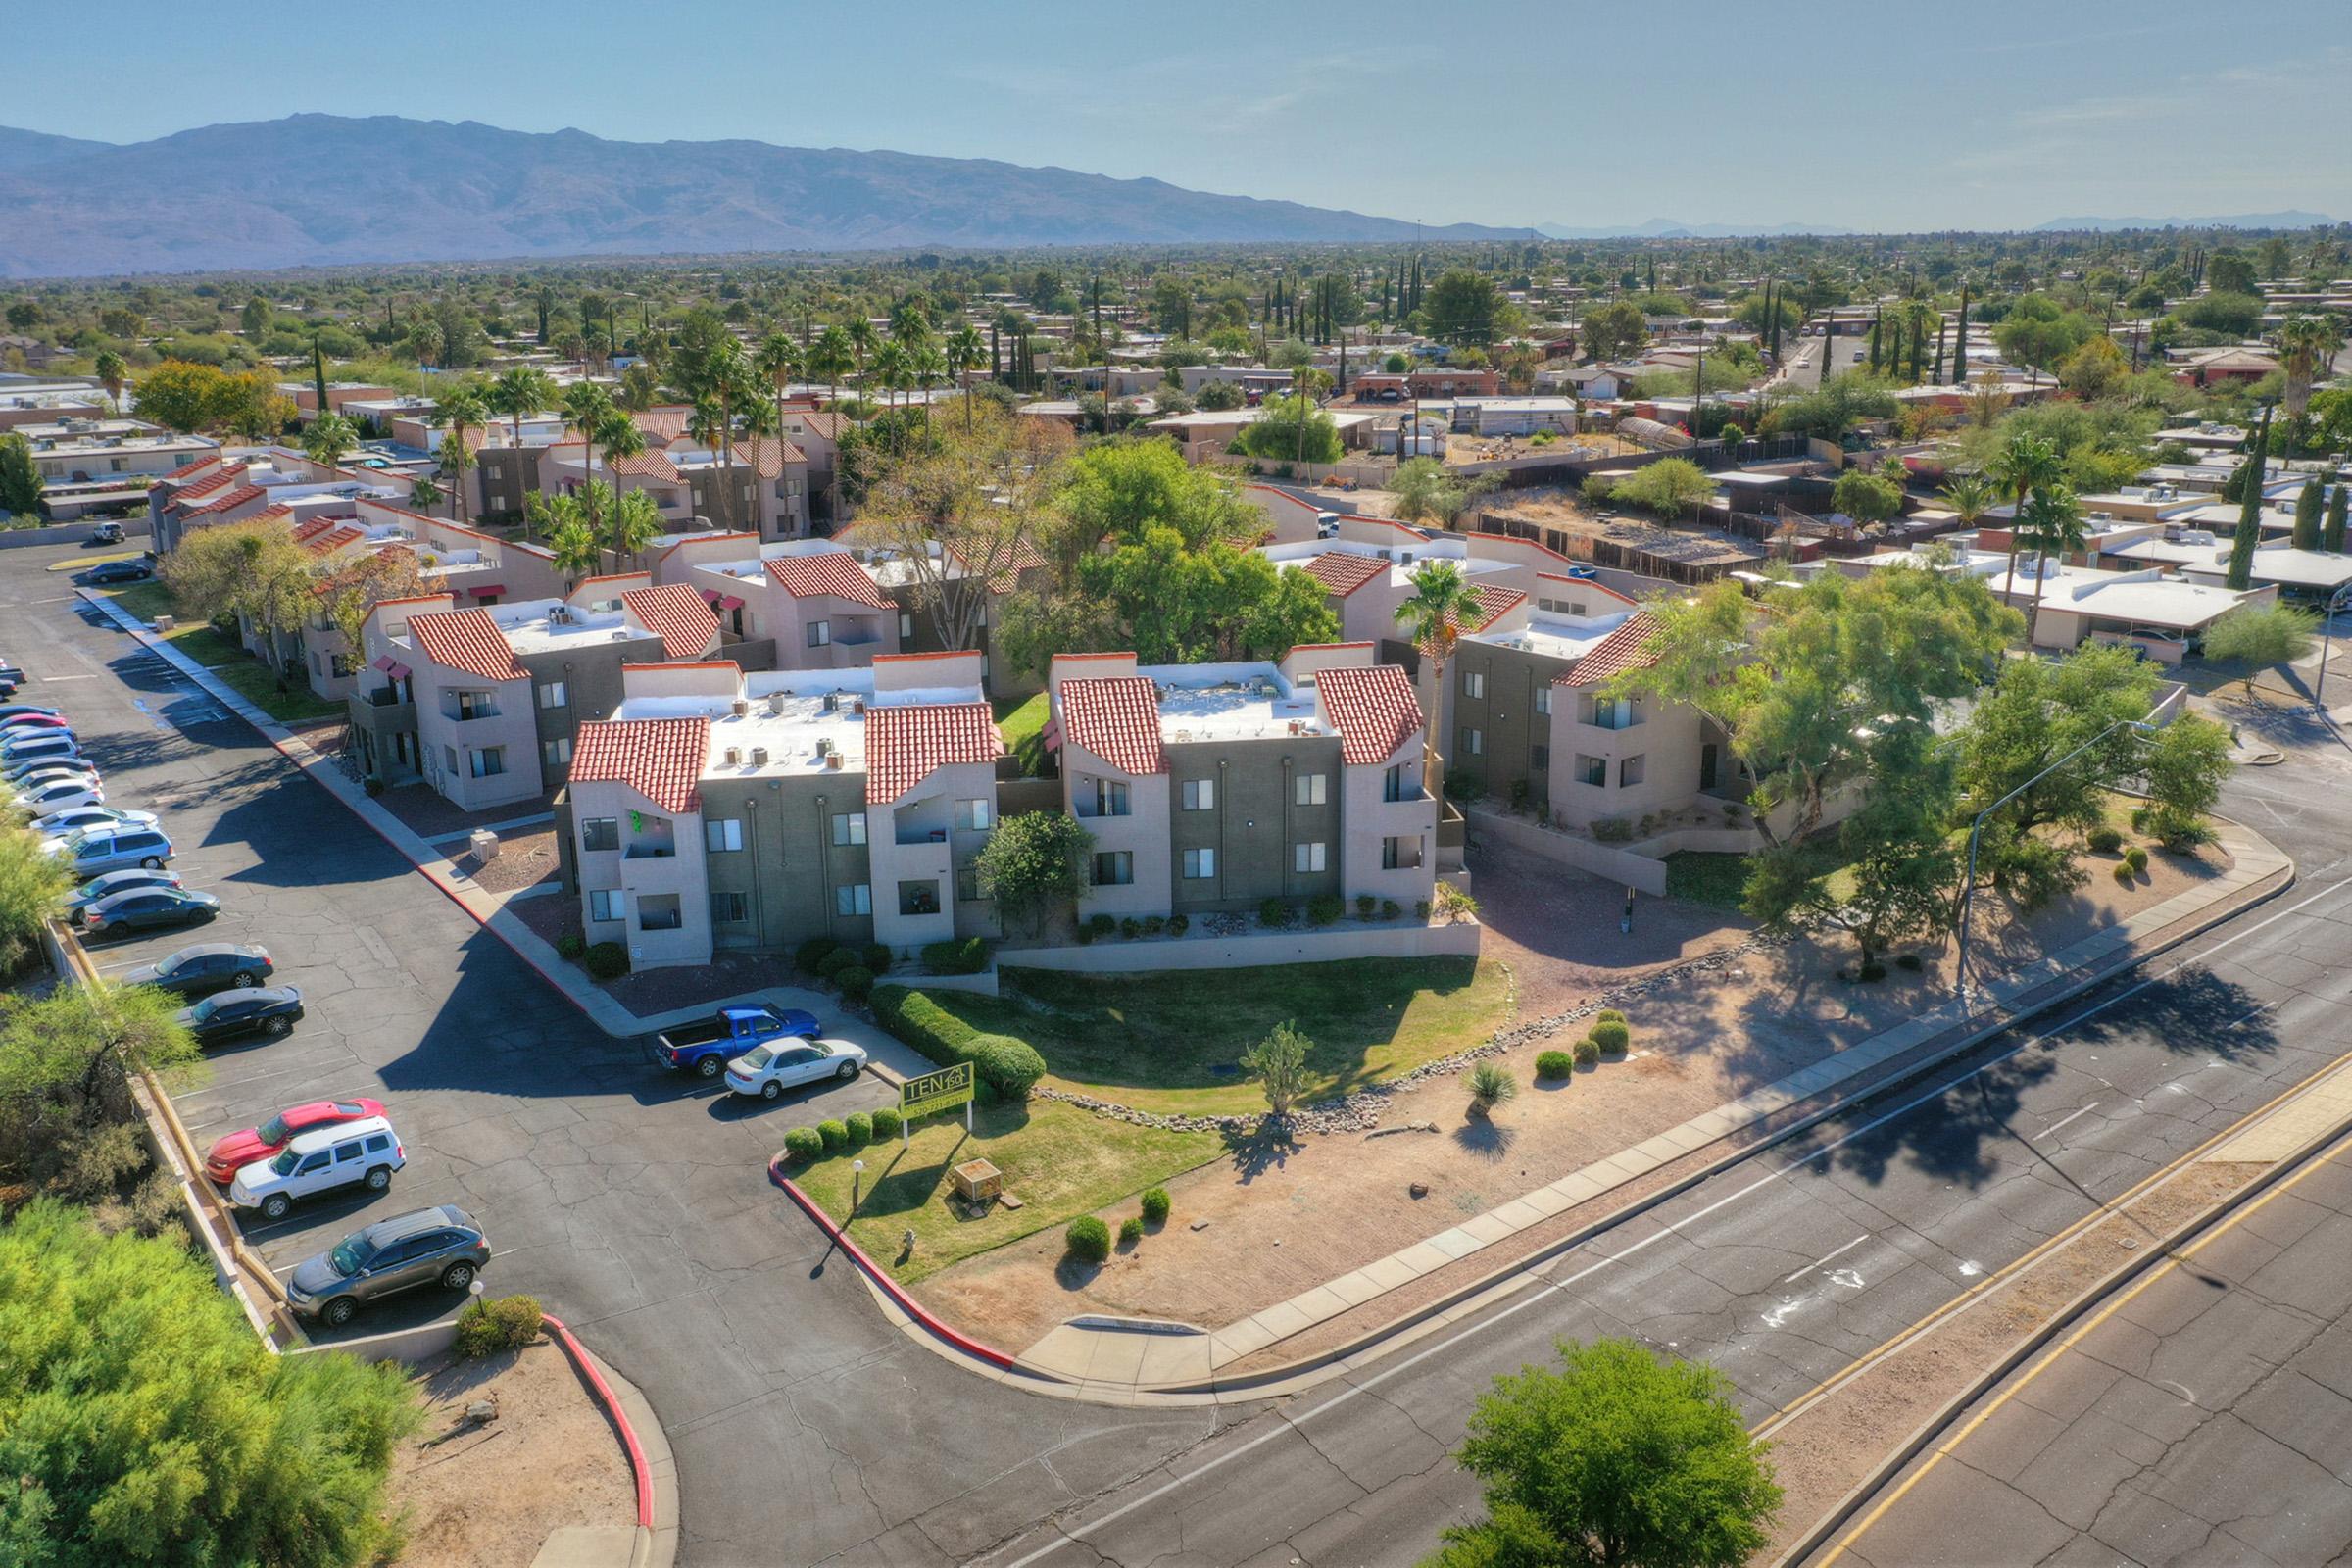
column 1879, row 115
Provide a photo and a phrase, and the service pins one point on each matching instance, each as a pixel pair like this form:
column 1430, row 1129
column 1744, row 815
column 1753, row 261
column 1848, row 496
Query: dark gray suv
column 441, row 1247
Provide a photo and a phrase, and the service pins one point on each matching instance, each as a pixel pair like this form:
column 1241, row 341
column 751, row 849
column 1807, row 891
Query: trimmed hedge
column 571, row 945
column 1088, row 1238
column 886, row 1122
column 968, row 957
column 855, row 980
column 1006, row 1066
column 1554, row 1064
column 875, row 956
column 2137, row 859
column 606, row 961
column 1131, row 1231
column 830, row 966
column 804, row 1143
column 835, row 1134
column 1608, row 1016
column 860, row 1128
column 1587, row 1053
column 2104, row 840
column 1324, row 909
column 1156, row 1205
column 486, row 1328
column 812, row 953
column 1612, row 1036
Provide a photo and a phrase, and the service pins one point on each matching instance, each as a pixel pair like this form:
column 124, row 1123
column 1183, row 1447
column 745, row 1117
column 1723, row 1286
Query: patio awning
column 1051, row 736
column 710, row 594
column 386, row 661
column 481, row 589
column 730, row 602
column 397, row 671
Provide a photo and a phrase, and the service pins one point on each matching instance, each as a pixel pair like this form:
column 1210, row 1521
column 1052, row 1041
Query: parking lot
column 632, row 1201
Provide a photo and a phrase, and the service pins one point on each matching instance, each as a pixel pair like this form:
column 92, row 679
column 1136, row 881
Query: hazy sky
column 1879, row 115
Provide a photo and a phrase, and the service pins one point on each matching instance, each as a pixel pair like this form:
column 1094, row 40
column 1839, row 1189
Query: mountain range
column 314, row 190
column 2290, row 219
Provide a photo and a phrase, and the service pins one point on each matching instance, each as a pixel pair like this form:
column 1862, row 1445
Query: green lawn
column 1716, row 880
column 1058, row 1160
column 236, row 668
column 1172, row 1042
column 1022, row 722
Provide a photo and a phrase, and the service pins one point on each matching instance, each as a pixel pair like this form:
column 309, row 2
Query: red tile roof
column 234, row 498
column 1374, row 709
column 208, row 483
column 676, row 614
column 189, row 471
column 831, row 571
column 1342, row 574
column 468, row 640
column 1116, row 718
column 660, row 758
column 1625, row 648
column 906, row 745
column 334, row 539
column 820, row 422
column 665, row 423
column 303, row 533
column 650, row 463
column 768, row 456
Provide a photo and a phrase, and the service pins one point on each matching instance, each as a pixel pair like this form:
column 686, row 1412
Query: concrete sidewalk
column 894, row 1057
column 1112, row 1359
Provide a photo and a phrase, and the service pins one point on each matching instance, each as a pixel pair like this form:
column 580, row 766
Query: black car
column 150, row 910
column 224, row 1015
column 207, row 967
column 112, row 571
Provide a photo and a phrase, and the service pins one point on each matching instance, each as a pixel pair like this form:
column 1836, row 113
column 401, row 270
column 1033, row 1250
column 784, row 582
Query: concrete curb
column 652, row 1465
column 2033, row 1344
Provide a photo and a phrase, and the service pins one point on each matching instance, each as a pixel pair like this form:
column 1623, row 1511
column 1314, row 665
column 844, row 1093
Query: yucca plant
column 1490, row 1083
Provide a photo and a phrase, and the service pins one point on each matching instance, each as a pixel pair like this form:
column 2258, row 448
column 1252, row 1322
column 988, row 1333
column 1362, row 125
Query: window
column 1538, row 758
column 603, row 904
column 821, row 632
column 967, row 884
column 1200, row 794
column 729, row 909
column 1101, row 797
column 600, row 833
column 1399, row 855
column 449, row 761
column 471, row 705
column 556, row 753
column 348, row 1154
column 905, row 626
column 971, row 817
column 1619, row 713
column 487, row 762
column 919, row 898
column 849, row 827
column 555, row 694
column 1308, row 789
column 1199, row 865
column 722, row 834
column 1591, row 771
column 659, row 911
column 854, row 898
column 1543, row 698
column 1113, row 868
column 1307, row 857
column 1473, row 742
column 1474, row 683
column 1632, row 770
column 1398, row 784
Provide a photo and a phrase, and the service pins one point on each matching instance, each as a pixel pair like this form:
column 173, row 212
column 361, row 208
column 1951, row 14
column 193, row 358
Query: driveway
column 633, row 1203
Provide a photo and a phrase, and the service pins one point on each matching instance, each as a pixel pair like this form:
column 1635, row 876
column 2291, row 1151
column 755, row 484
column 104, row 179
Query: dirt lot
column 1284, row 1218
column 427, row 812
column 489, row 1496
column 526, row 858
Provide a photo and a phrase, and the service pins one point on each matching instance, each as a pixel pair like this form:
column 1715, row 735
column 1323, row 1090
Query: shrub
column 1873, row 969
column 1154, row 924
column 606, row 961
column 1274, row 915
column 1613, row 830
column 860, row 1128
column 1554, row 1064
column 571, row 945
column 1324, row 909
column 804, row 1144
column 1519, row 796
column 1131, row 1231
column 829, row 966
column 1178, row 924
column 968, row 957
column 1421, row 909
column 1390, row 910
column 2137, row 859
column 1612, row 1036
column 486, row 1328
column 835, row 1134
column 1130, row 928
column 2177, row 831
column 1608, row 1016
column 1156, row 1205
column 1005, row 1066
column 857, row 981
column 875, row 956
column 812, row 953
column 1491, row 1082
column 2122, row 873
column 1910, row 962
column 1366, row 905
column 2104, row 840
column 886, row 1122
column 1102, row 925
column 1587, row 1054
column 1088, row 1238
column 1085, row 935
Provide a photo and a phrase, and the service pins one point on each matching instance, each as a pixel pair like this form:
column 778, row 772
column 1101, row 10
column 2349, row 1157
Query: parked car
column 232, row 1152
column 77, row 902
column 97, row 849
column 706, row 1046
column 61, row 824
column 270, row 1010
column 150, row 910
column 13, row 791
column 107, row 573
column 106, row 533
column 768, row 1070
column 17, row 772
column 360, row 1152
column 34, row 748
column 58, row 794
column 441, row 1247
column 9, row 711
column 206, row 967
column 29, row 725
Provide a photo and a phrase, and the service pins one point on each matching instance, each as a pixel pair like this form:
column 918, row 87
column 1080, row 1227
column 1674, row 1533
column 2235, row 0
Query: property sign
column 942, row 1089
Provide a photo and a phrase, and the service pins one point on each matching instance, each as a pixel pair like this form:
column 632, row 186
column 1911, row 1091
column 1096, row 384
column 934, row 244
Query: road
column 2205, row 1416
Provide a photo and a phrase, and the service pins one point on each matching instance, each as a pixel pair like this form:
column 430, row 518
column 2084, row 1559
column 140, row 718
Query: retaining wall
column 70, row 534
column 1342, row 941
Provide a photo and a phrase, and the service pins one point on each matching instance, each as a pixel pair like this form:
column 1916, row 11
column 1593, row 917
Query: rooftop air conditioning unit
column 775, row 702
column 758, row 756
column 739, row 708
column 734, row 757
column 833, row 761
column 832, row 701
column 559, row 615
column 856, row 705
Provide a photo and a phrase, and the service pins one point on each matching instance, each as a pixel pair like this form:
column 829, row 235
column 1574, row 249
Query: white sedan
column 72, row 819
column 63, row 794
column 768, row 1070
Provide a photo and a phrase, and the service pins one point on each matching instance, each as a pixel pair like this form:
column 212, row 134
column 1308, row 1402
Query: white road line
column 1817, row 1263
column 2070, row 1117
column 1072, row 1534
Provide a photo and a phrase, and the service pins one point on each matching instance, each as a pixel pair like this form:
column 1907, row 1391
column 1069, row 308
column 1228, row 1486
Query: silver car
column 441, row 1247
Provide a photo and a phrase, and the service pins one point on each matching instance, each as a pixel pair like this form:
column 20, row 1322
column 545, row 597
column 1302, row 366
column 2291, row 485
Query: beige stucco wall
column 1366, row 820
column 1144, row 833
column 1667, row 740
column 512, row 727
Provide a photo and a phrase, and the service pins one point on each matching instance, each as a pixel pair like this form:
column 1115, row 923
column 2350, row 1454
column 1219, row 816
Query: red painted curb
column 628, row 1433
column 890, row 1286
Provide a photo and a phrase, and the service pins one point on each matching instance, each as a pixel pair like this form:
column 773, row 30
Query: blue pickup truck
column 706, row 1046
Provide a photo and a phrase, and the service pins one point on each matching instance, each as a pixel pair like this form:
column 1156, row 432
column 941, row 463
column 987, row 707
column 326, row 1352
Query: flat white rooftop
column 1553, row 635
column 795, row 718
column 1230, row 702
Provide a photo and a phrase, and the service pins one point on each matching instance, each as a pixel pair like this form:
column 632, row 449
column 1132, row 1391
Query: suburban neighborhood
column 723, row 850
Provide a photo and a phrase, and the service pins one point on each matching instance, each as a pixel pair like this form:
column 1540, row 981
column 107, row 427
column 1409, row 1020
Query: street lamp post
column 2335, row 601
column 1968, row 891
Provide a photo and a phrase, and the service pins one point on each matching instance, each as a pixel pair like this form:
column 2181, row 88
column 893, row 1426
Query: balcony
column 465, row 713
column 387, row 697
column 372, row 714
column 651, row 850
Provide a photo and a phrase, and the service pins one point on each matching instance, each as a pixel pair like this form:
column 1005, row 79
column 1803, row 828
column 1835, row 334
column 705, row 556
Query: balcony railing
column 650, row 852
column 387, row 697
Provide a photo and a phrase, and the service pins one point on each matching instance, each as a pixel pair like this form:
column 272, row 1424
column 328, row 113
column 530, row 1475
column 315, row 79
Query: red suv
column 226, row 1157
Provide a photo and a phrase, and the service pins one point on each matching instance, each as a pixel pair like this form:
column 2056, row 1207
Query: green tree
column 1613, row 1459
column 2259, row 636
column 20, row 480
column 1033, row 865
column 31, row 884
column 2243, row 543
column 2025, row 463
column 1220, row 397
column 329, row 437
column 636, row 523
column 1426, row 490
column 2230, row 271
column 589, row 409
column 518, row 391
column 1117, row 489
column 2038, row 332
column 424, row 494
column 1970, row 496
column 1897, row 844
column 1612, row 331
column 1866, row 497
column 1293, row 429
column 1278, row 1063
column 2306, row 343
column 2185, row 768
column 113, row 375
column 179, row 394
column 2331, row 534
column 66, row 1065
column 2309, row 507
column 1441, row 608
column 2051, row 525
column 1667, row 488
column 1465, row 308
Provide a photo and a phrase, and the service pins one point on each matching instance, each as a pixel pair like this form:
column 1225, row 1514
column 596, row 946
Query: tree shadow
column 2197, row 1012
column 1267, row 1146
column 1946, row 1138
column 1486, row 1138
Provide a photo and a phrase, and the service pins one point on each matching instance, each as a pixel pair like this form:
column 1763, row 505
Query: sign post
column 933, row 1092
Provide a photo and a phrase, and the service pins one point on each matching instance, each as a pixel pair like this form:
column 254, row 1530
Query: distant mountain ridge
column 2292, row 217
column 312, row 190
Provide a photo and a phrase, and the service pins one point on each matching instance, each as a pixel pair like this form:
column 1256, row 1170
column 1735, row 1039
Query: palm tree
column 113, row 375
column 926, row 365
column 708, row 423
column 778, row 361
column 620, row 439
column 590, row 411
column 1433, row 618
column 965, row 352
column 458, row 412
column 861, row 332
column 1970, row 496
column 330, row 436
column 831, row 359
column 576, row 549
column 519, row 391
column 2026, row 463
column 636, row 523
column 425, row 495
column 2052, row 520
column 2308, row 343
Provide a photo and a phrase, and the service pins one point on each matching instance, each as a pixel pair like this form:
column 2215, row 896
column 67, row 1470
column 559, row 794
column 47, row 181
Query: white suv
column 352, row 1153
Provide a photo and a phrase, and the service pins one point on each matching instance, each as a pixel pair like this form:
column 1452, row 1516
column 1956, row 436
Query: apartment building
column 2166, row 618
column 808, row 603
column 719, row 811
column 764, row 488
column 1211, row 788
column 484, row 704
